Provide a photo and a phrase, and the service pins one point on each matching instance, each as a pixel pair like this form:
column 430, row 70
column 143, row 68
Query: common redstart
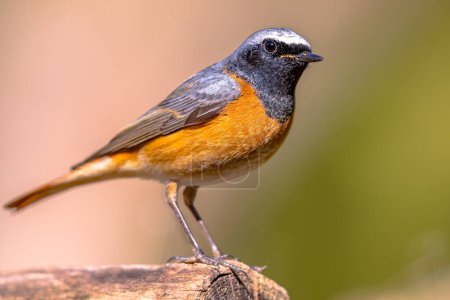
column 236, row 111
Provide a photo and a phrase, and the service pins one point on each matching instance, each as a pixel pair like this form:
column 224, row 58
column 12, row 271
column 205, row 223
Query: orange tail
column 100, row 169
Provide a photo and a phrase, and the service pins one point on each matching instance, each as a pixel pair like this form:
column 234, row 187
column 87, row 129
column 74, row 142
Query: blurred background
column 355, row 205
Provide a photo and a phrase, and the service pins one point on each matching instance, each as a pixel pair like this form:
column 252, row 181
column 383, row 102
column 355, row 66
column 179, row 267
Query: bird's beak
column 309, row 57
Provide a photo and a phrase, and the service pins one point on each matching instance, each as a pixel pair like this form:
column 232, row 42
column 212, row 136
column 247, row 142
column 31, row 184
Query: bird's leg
column 189, row 197
column 171, row 191
column 189, row 194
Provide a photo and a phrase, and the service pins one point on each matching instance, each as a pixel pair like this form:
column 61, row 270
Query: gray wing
column 197, row 100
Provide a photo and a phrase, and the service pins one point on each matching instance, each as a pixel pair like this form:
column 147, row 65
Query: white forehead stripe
column 282, row 35
column 288, row 38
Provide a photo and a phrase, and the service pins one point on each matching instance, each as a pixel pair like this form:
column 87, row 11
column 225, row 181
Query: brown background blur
column 357, row 197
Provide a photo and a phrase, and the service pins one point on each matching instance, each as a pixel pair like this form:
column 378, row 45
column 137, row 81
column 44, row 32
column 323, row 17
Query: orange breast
column 241, row 133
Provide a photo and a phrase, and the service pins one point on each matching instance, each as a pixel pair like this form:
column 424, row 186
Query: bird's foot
column 182, row 259
column 258, row 269
column 200, row 258
column 223, row 260
column 213, row 261
column 228, row 257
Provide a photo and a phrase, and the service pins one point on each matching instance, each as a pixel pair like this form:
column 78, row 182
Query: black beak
column 309, row 57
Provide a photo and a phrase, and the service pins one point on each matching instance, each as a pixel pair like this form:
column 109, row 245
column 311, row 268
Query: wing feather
column 197, row 100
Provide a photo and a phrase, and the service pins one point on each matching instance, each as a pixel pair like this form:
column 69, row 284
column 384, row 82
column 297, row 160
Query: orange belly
column 238, row 139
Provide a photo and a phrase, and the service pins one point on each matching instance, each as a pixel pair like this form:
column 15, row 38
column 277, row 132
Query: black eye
column 270, row 46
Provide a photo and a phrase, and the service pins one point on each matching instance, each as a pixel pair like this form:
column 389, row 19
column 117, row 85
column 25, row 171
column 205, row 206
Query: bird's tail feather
column 96, row 170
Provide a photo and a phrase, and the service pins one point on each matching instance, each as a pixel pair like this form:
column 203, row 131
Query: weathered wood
column 170, row 281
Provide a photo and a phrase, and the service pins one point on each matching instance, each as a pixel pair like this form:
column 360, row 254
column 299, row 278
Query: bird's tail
column 96, row 170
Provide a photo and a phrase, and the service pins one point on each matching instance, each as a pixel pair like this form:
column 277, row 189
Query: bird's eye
column 270, row 46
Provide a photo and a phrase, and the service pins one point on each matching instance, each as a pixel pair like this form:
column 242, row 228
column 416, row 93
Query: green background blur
column 356, row 202
column 371, row 202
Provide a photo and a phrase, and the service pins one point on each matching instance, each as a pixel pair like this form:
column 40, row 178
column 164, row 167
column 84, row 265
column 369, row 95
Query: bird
column 233, row 113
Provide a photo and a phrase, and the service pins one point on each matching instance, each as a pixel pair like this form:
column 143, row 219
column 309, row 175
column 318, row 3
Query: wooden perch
column 170, row 281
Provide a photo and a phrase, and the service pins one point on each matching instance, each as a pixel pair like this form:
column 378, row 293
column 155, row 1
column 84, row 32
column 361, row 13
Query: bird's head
column 272, row 55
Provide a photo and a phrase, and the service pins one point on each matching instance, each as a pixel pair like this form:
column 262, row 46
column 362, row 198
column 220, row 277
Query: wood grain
column 170, row 281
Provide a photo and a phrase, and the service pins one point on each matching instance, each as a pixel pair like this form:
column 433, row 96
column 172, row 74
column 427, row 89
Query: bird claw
column 214, row 261
column 258, row 269
column 229, row 257
column 182, row 259
column 223, row 260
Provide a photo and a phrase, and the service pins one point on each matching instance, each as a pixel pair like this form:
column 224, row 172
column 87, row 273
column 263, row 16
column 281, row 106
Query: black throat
column 275, row 88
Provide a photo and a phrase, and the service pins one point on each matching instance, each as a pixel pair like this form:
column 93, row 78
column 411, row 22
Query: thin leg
column 171, row 198
column 189, row 197
column 171, row 190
